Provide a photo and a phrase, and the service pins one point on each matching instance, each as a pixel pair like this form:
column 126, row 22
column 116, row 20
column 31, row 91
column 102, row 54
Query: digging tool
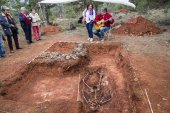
column 80, row 104
column 78, row 93
column 149, row 102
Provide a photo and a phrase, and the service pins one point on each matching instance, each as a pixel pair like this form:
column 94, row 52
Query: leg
column 96, row 32
column 30, row 34
column 87, row 26
column 103, row 30
column 25, row 29
column 34, row 32
column 9, row 39
column 15, row 37
column 91, row 30
column 38, row 32
column 25, row 32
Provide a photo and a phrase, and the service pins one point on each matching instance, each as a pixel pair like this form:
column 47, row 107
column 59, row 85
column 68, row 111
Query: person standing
column 35, row 24
column 108, row 21
column 2, row 51
column 89, row 16
column 9, row 27
column 25, row 21
column 14, row 29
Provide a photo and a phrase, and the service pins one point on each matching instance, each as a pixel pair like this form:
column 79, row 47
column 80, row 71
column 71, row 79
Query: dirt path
column 15, row 62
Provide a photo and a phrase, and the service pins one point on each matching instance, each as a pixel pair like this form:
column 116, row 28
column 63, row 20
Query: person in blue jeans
column 104, row 15
column 2, row 51
column 89, row 16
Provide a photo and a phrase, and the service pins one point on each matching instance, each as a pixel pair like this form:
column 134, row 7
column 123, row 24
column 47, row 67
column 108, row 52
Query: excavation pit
column 56, row 82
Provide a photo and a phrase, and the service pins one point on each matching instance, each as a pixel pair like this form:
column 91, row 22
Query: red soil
column 52, row 90
column 138, row 26
column 50, row 30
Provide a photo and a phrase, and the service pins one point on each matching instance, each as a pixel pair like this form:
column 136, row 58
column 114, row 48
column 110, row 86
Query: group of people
column 28, row 21
column 97, row 25
column 101, row 23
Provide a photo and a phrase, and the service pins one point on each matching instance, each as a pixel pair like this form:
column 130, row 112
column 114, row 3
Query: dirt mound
column 50, row 30
column 138, row 26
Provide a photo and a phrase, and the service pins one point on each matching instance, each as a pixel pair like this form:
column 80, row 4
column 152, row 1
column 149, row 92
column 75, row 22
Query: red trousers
column 36, row 32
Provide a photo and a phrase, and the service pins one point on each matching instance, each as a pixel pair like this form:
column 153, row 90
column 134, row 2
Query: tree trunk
column 46, row 15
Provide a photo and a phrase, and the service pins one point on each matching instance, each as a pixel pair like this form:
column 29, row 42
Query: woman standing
column 35, row 24
column 89, row 16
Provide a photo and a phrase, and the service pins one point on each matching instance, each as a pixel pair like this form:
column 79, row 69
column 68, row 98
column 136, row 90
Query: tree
column 3, row 2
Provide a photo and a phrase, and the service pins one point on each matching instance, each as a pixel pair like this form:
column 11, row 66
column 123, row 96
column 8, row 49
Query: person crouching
column 103, row 22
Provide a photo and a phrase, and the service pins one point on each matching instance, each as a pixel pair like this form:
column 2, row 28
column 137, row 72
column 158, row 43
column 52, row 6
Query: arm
column 14, row 23
column 21, row 18
column 30, row 18
column 98, row 18
column 84, row 13
column 111, row 19
column 94, row 14
column 39, row 20
column 4, row 23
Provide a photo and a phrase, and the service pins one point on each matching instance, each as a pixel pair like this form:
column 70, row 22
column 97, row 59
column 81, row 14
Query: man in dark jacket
column 9, row 26
column 25, row 21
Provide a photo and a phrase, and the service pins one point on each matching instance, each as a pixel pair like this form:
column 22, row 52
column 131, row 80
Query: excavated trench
column 75, row 78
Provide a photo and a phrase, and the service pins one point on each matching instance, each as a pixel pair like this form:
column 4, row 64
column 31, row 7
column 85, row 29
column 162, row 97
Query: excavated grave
column 74, row 78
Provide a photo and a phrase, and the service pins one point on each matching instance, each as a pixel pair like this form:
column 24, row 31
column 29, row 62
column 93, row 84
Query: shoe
column 19, row 48
column 2, row 56
column 91, row 40
column 28, row 42
column 11, row 51
column 102, row 40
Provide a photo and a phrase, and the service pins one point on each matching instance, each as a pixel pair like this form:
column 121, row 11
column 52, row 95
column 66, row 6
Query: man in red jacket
column 104, row 15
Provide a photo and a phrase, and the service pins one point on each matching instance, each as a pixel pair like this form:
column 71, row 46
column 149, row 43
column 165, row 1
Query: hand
column 110, row 19
column 4, row 39
column 12, row 25
column 98, row 23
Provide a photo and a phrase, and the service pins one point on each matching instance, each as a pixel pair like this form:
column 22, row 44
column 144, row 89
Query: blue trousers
column 89, row 27
column 100, row 33
column 2, row 51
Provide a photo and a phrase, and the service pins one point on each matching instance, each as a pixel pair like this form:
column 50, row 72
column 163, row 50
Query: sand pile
column 138, row 27
column 50, row 30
